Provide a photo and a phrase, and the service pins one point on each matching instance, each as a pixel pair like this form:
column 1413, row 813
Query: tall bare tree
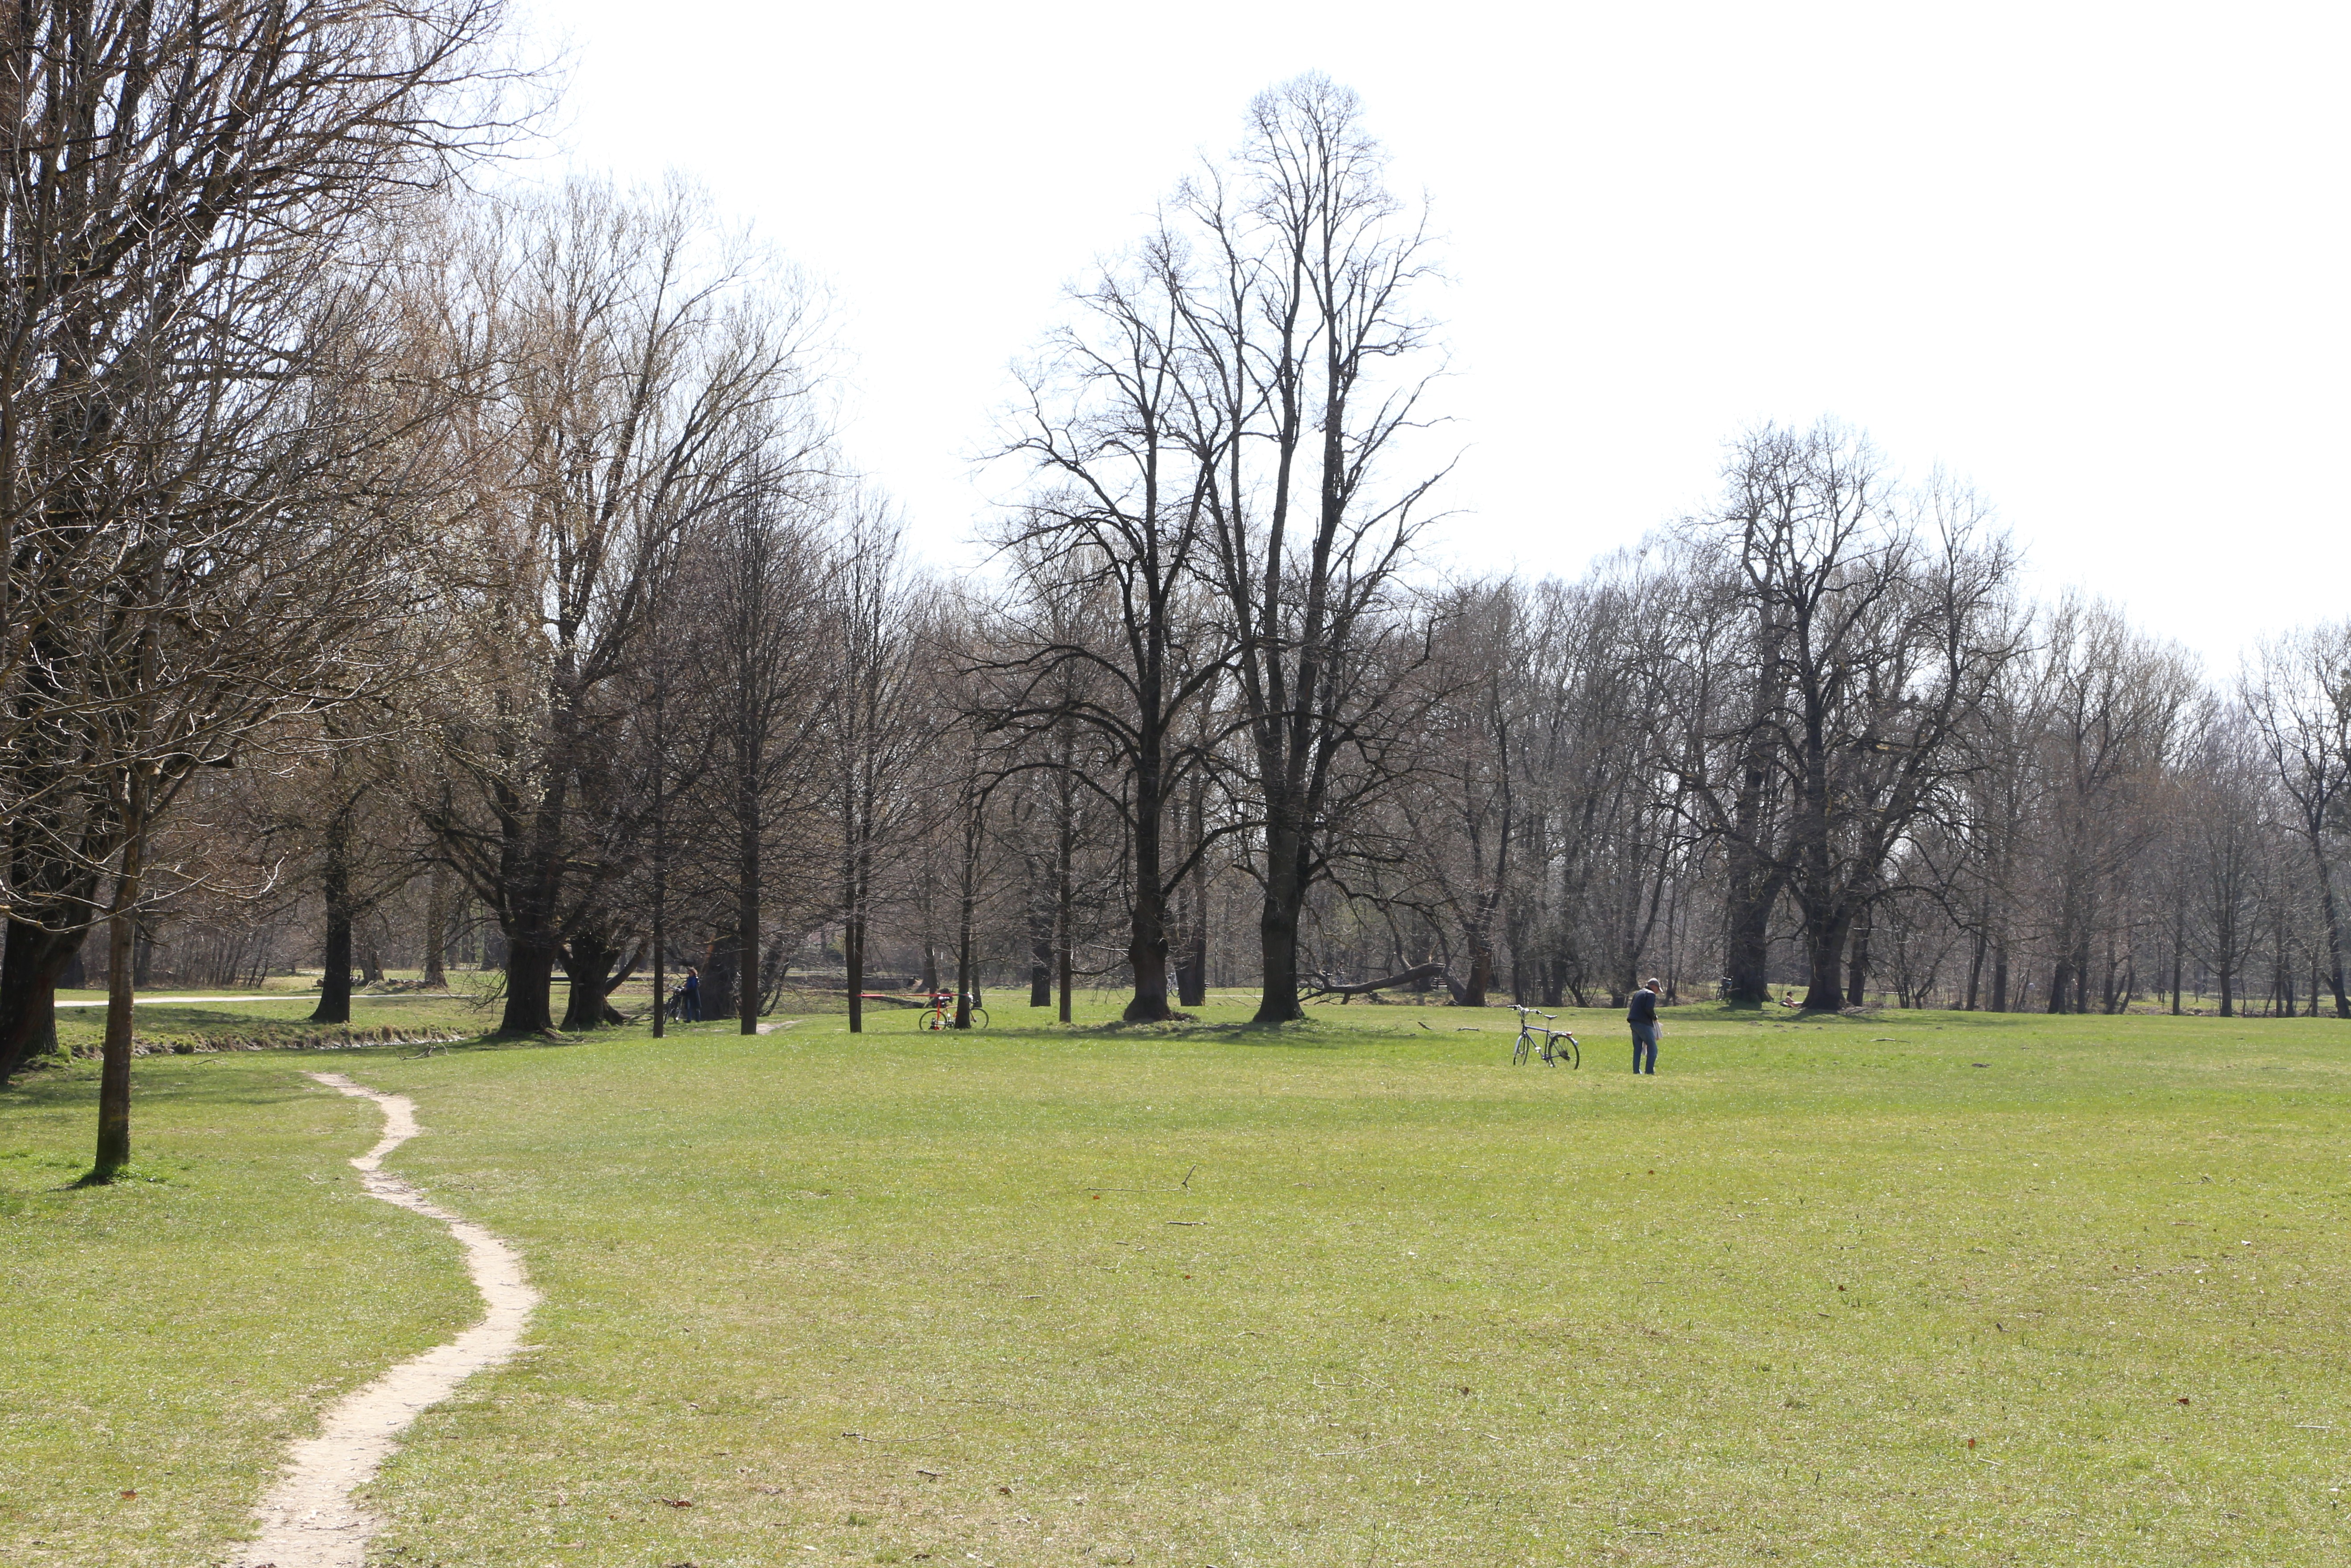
column 877, row 725
column 2296, row 693
column 760, row 569
column 1296, row 274
column 180, row 432
column 643, row 366
column 1883, row 622
column 1118, row 519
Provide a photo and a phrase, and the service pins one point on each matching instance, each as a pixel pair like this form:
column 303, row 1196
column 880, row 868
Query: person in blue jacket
column 1642, row 1016
column 690, row 995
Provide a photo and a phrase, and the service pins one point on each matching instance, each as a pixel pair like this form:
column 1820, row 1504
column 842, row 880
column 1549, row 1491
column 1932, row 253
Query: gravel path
column 310, row 1518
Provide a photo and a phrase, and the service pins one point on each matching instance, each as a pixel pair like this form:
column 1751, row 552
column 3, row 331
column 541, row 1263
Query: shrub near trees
column 393, row 574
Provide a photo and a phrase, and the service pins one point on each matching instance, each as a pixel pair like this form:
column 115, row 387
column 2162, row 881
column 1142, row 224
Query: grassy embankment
column 1922, row 1288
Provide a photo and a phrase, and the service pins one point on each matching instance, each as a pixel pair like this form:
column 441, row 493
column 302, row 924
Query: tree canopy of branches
column 202, row 478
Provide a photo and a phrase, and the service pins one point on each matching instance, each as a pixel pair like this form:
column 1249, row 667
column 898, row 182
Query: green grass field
column 1915, row 1289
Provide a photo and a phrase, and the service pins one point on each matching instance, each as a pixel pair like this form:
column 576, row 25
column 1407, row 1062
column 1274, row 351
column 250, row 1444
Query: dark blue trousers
column 1644, row 1039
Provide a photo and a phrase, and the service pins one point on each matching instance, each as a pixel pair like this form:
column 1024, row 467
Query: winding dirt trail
column 309, row 1520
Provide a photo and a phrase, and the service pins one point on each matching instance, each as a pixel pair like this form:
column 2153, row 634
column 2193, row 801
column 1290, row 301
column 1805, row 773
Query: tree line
column 394, row 565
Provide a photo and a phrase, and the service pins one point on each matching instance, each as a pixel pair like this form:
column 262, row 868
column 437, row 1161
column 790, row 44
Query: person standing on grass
column 689, row 995
column 1642, row 1016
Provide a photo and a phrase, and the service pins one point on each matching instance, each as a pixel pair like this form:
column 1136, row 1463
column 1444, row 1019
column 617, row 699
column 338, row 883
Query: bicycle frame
column 1553, row 1052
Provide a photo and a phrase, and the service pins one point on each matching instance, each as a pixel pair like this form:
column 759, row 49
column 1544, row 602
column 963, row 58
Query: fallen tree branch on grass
column 1323, row 986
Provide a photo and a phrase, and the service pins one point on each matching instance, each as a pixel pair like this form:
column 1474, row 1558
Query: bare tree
column 1884, row 622
column 2225, row 850
column 1296, row 315
column 2108, row 713
column 1118, row 519
column 186, row 417
column 644, row 368
column 877, row 723
column 2296, row 693
column 759, row 571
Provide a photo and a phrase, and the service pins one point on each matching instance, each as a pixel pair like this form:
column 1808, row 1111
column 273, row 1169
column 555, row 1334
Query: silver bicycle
column 1556, row 1044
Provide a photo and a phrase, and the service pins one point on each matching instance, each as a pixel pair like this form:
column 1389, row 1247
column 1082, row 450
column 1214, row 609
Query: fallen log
column 1419, row 974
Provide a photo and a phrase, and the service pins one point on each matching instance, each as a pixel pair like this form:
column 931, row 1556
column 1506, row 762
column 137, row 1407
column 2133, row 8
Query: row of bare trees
column 1809, row 746
column 1813, row 740
column 415, row 567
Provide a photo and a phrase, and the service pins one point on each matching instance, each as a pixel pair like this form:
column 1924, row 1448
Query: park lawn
column 1354, row 1292
column 169, row 1335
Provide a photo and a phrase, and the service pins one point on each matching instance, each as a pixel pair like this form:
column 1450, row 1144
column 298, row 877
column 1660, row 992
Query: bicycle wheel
column 979, row 1017
column 1518, row 1056
column 1573, row 1052
column 929, row 1020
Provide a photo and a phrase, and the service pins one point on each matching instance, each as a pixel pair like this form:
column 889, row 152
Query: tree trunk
column 114, row 1068
column 1065, row 892
column 1824, row 935
column 2058, row 981
column 853, row 953
column 335, row 889
column 436, row 929
column 1751, row 888
column 750, row 883
column 722, row 968
column 661, row 917
column 1278, row 939
column 966, row 975
column 1746, row 947
column 1191, row 963
column 530, row 980
column 967, row 904
column 1856, row 989
column 590, row 965
column 660, row 972
column 1147, row 945
column 2332, row 918
column 1481, row 973
column 1278, row 923
column 29, row 973
column 1041, row 936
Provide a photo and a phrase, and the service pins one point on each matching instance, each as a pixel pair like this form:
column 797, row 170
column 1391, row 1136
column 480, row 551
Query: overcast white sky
column 2090, row 256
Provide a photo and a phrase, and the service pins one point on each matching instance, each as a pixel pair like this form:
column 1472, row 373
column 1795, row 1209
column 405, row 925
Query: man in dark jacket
column 1642, row 1016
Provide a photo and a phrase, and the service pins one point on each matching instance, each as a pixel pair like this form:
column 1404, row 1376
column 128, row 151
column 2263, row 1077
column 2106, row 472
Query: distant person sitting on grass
column 1642, row 1016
